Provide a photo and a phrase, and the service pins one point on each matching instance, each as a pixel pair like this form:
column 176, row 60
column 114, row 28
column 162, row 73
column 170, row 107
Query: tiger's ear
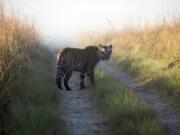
column 101, row 47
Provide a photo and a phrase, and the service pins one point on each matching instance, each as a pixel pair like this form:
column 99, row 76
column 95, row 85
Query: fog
column 68, row 20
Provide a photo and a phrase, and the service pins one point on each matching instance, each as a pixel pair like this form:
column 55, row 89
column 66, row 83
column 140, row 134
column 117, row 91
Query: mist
column 67, row 21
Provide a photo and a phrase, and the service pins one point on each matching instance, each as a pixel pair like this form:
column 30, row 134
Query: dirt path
column 81, row 111
column 168, row 116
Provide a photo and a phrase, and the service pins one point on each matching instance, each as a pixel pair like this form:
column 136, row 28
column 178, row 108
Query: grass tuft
column 127, row 115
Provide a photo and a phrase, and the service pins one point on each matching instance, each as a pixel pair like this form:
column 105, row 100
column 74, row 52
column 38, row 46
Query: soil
column 81, row 112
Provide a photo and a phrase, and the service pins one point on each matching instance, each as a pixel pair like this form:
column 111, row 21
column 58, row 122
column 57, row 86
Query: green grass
column 153, row 72
column 127, row 115
column 34, row 106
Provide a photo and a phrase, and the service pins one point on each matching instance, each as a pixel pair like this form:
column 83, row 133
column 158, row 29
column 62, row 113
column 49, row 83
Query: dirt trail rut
column 81, row 112
column 167, row 115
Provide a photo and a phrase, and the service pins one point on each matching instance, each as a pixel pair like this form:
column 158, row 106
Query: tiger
column 80, row 60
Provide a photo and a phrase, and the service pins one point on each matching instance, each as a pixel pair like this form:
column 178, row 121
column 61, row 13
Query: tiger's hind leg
column 66, row 79
column 82, row 83
column 59, row 77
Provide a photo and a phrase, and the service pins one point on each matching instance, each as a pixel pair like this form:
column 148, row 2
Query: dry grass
column 151, row 54
column 158, row 42
column 17, row 38
column 28, row 94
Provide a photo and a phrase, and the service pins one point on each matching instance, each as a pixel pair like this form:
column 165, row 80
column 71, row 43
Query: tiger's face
column 104, row 52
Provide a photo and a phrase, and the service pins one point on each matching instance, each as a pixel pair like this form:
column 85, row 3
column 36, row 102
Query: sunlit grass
column 147, row 54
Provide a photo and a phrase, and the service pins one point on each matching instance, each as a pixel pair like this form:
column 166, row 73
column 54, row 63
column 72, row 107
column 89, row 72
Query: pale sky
column 70, row 19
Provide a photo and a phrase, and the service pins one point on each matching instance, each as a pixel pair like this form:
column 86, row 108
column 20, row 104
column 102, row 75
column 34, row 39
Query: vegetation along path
column 81, row 112
column 169, row 117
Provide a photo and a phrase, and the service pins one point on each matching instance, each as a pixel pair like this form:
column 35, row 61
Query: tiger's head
column 104, row 52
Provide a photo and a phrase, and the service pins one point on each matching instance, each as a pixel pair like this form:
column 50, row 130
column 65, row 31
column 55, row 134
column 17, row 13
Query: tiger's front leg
column 92, row 77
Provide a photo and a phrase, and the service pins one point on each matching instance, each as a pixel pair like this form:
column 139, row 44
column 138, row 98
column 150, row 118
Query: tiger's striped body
column 76, row 59
column 81, row 60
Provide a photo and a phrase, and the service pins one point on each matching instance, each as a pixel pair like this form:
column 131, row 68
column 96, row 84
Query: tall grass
column 34, row 107
column 127, row 115
column 151, row 55
column 160, row 41
column 28, row 95
column 16, row 40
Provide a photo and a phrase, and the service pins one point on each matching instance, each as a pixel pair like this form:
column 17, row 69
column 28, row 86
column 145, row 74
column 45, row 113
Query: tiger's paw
column 82, row 87
column 68, row 89
column 60, row 88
